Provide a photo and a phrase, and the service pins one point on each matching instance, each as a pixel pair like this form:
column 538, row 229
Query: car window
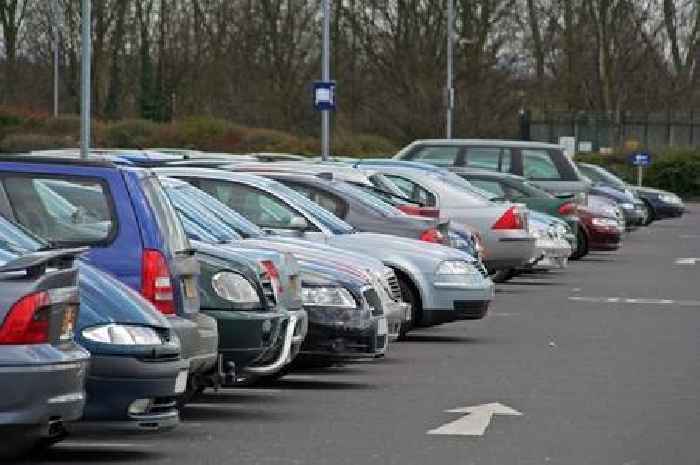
column 367, row 200
column 538, row 164
column 168, row 221
column 328, row 201
column 488, row 158
column 258, row 206
column 494, row 187
column 441, row 155
column 414, row 191
column 86, row 220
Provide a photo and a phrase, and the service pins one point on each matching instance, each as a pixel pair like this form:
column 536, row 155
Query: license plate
column 382, row 327
column 68, row 323
column 181, row 382
column 190, row 288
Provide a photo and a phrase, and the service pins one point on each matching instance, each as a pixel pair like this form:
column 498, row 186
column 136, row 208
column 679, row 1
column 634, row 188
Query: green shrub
column 129, row 133
column 26, row 142
column 675, row 169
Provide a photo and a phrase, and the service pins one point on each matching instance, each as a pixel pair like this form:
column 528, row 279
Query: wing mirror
column 299, row 223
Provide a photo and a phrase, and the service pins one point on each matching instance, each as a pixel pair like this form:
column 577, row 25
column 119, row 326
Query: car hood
column 347, row 261
column 381, row 246
column 104, row 299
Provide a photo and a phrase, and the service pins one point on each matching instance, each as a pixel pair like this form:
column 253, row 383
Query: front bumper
column 667, row 210
column 341, row 342
column 44, row 384
column 287, row 348
column 115, row 382
column 633, row 216
column 246, row 336
column 552, row 254
column 604, row 239
column 449, row 293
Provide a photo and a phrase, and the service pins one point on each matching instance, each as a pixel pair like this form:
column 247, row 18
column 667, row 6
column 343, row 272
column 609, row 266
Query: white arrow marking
column 687, row 261
column 477, row 420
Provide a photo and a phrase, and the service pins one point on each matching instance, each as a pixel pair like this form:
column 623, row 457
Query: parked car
column 544, row 164
column 43, row 368
column 516, row 189
column 553, row 243
column 656, row 204
column 503, row 227
column 123, row 214
column 344, row 306
column 439, row 282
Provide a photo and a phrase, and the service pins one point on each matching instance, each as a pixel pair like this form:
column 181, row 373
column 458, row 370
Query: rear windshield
column 370, row 201
column 168, row 221
column 65, row 210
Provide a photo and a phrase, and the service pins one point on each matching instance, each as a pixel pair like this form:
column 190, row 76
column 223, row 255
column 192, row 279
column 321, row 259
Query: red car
column 602, row 232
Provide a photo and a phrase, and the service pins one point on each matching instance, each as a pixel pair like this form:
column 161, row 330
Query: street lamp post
column 326, row 76
column 449, row 89
column 55, row 34
column 85, row 62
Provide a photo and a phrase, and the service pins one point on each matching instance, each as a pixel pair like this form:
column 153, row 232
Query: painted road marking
column 687, row 261
column 625, row 300
column 96, row 445
column 475, row 422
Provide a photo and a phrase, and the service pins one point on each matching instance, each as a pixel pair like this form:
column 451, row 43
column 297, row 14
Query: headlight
column 671, row 198
column 605, row 222
column 455, row 267
column 327, row 296
column 535, row 232
column 234, row 288
column 123, row 335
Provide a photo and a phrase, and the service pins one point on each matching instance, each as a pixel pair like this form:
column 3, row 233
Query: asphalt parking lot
column 601, row 359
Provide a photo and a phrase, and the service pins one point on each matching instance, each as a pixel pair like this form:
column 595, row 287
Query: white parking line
column 687, row 261
column 94, row 445
column 244, row 391
column 627, row 300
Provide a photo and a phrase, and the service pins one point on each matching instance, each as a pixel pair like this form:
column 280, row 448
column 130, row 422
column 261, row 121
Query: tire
column 501, row 276
column 649, row 213
column 410, row 296
column 18, row 442
column 581, row 245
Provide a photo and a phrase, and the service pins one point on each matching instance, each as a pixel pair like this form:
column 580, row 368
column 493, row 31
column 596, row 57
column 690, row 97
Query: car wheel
column 501, row 276
column 409, row 295
column 648, row 214
column 581, row 245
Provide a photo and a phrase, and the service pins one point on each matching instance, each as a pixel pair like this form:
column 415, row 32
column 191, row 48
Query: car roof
column 485, row 142
column 59, row 158
column 340, row 171
column 485, row 173
column 188, row 171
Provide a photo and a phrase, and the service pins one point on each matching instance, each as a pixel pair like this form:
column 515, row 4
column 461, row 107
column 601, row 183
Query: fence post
column 692, row 127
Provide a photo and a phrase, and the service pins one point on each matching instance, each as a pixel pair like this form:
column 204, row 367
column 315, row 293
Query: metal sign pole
column 326, row 76
column 449, row 93
column 85, row 62
column 639, row 175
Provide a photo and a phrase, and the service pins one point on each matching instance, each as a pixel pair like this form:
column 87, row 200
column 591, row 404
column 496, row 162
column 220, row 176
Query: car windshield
column 600, row 175
column 210, row 215
column 387, row 197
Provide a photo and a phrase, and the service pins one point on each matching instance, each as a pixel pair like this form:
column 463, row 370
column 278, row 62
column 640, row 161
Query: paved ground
column 600, row 375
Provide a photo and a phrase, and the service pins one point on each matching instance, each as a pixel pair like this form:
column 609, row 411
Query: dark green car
column 516, row 189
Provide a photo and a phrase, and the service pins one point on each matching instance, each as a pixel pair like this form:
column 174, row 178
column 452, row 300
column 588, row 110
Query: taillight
column 511, row 219
column 432, row 235
column 428, row 212
column 28, row 321
column 156, row 283
column 568, row 208
column 273, row 275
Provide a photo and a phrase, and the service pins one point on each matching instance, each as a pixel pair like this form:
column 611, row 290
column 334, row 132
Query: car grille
column 373, row 301
column 394, row 287
column 269, row 291
column 482, row 269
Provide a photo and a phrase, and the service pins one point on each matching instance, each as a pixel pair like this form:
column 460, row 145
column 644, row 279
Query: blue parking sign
column 324, row 95
column 640, row 159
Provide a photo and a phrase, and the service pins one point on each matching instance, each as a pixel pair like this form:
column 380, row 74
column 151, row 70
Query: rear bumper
column 509, row 251
column 198, row 341
column 39, row 393
column 115, row 382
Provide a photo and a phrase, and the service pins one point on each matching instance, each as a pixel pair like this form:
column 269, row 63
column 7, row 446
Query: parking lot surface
column 601, row 359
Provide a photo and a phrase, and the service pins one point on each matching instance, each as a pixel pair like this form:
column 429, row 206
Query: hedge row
column 675, row 169
column 22, row 131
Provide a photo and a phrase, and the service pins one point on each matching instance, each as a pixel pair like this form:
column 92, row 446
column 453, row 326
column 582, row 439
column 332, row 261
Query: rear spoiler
column 33, row 262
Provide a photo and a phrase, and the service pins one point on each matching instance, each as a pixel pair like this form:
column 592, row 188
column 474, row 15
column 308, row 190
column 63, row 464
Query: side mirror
column 299, row 223
column 565, row 195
